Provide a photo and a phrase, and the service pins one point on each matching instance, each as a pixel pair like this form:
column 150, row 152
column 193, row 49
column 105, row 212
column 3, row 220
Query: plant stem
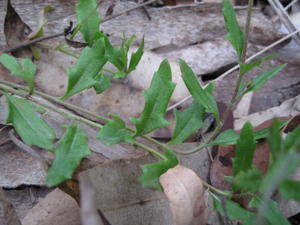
column 108, row 70
column 67, row 114
column 216, row 190
column 204, row 145
column 57, row 101
column 243, row 60
column 235, row 94
column 151, row 150
column 50, row 107
column 28, row 43
column 247, row 30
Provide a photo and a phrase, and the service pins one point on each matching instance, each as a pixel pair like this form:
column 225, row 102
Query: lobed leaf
column 136, row 57
column 259, row 81
column 152, row 172
column 289, row 189
column 103, row 83
column 32, row 129
column 115, row 132
column 248, row 180
column 88, row 19
column 235, row 35
column 157, row 98
column 24, row 69
column 187, row 123
column 113, row 54
column 203, row 96
column 235, row 211
column 244, row 150
column 71, row 148
column 83, row 74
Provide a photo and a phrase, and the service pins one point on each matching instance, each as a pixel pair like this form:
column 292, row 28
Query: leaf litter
column 82, row 101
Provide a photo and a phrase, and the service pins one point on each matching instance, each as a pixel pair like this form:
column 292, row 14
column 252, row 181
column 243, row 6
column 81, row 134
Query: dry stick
column 290, row 4
column 237, row 66
column 284, row 17
column 27, row 43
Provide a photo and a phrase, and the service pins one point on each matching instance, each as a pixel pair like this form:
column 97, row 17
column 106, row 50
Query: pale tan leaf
column 187, row 197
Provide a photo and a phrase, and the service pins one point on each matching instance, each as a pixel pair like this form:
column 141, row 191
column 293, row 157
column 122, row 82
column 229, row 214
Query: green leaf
column 235, row 35
column 152, row 172
column 292, row 139
column 24, row 69
column 235, row 211
column 88, row 19
column 113, row 54
column 278, row 172
column 29, row 125
column 275, row 141
column 228, row 137
column 124, row 50
column 103, row 82
column 203, row 96
column 269, row 210
column 217, row 204
column 246, row 67
column 71, row 148
column 83, row 74
column 156, row 101
column 248, row 180
column 120, row 75
column 136, row 57
column 259, row 81
column 115, row 132
column 187, row 123
column 289, row 189
column 244, row 150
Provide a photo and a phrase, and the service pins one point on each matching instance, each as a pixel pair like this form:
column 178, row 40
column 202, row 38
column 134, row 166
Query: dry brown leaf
column 288, row 108
column 8, row 215
column 186, row 195
column 56, row 208
column 15, row 30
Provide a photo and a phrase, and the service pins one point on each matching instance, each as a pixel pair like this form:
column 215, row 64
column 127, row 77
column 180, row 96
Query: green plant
column 90, row 72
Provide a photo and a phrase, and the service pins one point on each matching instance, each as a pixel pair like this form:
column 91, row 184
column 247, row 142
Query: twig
column 284, row 17
column 128, row 10
column 237, row 66
column 28, row 43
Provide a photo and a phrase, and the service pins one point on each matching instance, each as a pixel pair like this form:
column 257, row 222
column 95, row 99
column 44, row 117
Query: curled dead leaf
column 187, row 198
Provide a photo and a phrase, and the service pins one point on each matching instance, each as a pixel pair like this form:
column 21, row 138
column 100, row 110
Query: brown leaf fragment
column 8, row 214
column 15, row 30
column 186, row 195
column 292, row 124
